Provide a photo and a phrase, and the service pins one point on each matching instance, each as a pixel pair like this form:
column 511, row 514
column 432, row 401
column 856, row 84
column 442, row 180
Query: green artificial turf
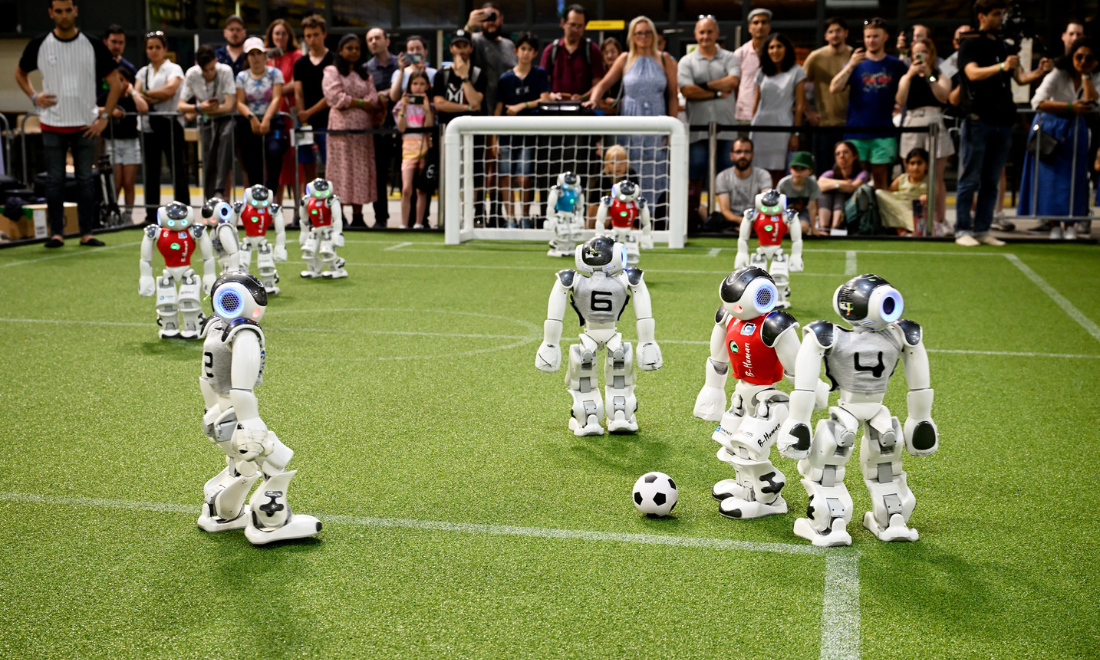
column 409, row 394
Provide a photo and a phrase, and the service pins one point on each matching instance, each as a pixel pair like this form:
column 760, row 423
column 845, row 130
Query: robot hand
column 147, row 286
column 741, row 260
column 796, row 265
column 338, row 240
column 921, row 437
column 208, row 282
column 710, row 403
column 645, row 242
column 548, row 358
column 649, row 358
column 280, row 253
column 794, row 439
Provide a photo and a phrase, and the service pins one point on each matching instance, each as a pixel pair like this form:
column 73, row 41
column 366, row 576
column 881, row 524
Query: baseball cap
column 460, row 35
column 233, row 18
column 766, row 12
column 254, row 43
column 802, row 159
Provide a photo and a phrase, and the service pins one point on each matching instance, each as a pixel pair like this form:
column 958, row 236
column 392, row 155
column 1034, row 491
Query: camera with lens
column 491, row 16
column 1016, row 28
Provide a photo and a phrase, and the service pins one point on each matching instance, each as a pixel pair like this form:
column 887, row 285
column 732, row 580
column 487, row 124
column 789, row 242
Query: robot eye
column 171, row 223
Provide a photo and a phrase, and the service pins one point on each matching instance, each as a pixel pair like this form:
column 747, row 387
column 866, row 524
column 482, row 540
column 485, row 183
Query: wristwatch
column 463, row 80
column 104, row 115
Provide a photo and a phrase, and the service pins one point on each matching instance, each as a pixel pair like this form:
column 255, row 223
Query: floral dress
column 350, row 157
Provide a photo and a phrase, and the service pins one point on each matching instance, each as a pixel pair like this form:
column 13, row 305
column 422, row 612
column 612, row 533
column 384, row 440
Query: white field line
column 1060, row 300
column 840, row 607
column 714, row 252
column 70, row 254
column 397, row 247
column 548, row 268
column 850, row 267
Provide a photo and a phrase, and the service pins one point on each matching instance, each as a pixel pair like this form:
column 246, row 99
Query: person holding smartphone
column 210, row 96
column 415, row 58
column 923, row 92
column 414, row 110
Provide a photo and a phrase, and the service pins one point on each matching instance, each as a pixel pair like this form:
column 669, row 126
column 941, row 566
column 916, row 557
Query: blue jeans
column 983, row 150
column 55, row 145
column 697, row 158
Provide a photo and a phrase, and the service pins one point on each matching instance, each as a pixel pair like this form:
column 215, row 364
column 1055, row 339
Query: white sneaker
column 967, row 241
column 418, row 226
column 1071, row 232
column 1056, row 233
column 989, row 240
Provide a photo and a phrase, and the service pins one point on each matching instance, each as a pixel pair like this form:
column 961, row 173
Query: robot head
column 176, row 216
column 868, row 301
column 601, row 254
column 319, row 189
column 771, row 202
column 568, row 180
column 238, row 295
column 748, row 292
column 257, row 196
column 217, row 211
column 625, row 190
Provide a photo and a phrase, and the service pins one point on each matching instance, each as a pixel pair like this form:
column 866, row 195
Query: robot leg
column 168, row 311
column 630, row 240
column 333, row 263
column 830, row 505
column 559, row 245
column 224, row 494
column 265, row 264
column 723, row 435
column 756, row 490
column 759, row 259
column 190, row 305
column 272, row 518
column 583, row 384
column 892, row 502
column 781, row 273
column 310, row 255
column 619, row 387
column 246, row 254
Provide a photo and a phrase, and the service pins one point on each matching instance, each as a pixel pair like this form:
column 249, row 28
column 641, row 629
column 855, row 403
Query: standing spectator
column 707, row 77
column 210, row 96
column 159, row 83
column 1065, row 95
column 738, row 186
column 459, row 90
column 986, row 132
column 382, row 65
column 873, row 77
column 415, row 58
column 905, row 44
column 352, row 97
column 923, row 91
column 115, row 40
column 574, row 62
column 950, row 66
column 493, row 53
column 837, row 186
column 121, row 139
column 309, row 96
column 821, row 67
column 72, row 64
column 232, row 53
column 760, row 26
column 283, row 54
column 801, row 189
column 780, row 100
column 414, row 146
column 264, row 141
column 610, row 49
column 1075, row 30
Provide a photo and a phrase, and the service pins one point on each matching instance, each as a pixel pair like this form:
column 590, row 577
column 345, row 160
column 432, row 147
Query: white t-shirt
column 405, row 78
column 152, row 81
column 195, row 86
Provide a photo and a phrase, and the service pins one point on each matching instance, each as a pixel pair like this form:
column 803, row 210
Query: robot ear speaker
column 762, row 295
column 891, row 305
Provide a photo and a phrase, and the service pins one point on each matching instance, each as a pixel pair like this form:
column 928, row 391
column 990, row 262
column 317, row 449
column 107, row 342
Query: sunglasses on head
column 157, row 33
column 706, row 17
column 875, row 22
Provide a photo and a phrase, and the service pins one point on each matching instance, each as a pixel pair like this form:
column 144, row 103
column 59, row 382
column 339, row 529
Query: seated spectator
column 837, row 185
column 801, row 189
column 903, row 205
column 414, row 146
column 780, row 101
column 923, row 92
column 259, row 91
column 738, row 187
column 616, row 167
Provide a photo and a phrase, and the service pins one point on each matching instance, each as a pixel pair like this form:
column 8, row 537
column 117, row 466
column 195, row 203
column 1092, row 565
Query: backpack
column 556, row 46
column 861, row 212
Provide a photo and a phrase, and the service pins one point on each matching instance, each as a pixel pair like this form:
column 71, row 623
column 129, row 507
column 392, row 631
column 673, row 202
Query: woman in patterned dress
column 352, row 96
column 280, row 36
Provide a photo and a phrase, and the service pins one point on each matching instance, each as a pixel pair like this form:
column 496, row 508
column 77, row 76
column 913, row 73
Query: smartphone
column 416, row 58
column 491, row 16
column 416, row 99
column 919, row 57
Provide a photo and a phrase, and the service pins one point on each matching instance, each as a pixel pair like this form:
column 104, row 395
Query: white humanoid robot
column 760, row 344
column 860, row 362
column 322, row 231
column 566, row 215
column 179, row 314
column 232, row 366
column 258, row 212
column 599, row 295
column 622, row 207
column 771, row 219
column 221, row 223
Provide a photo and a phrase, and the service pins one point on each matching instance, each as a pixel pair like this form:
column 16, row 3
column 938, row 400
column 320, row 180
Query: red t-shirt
column 751, row 359
column 318, row 212
column 176, row 246
column 571, row 73
column 770, row 229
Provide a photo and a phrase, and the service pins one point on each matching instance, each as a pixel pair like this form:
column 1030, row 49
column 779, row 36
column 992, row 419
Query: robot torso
column 567, row 200
column 176, row 246
column 623, row 214
column 319, row 212
column 217, row 359
column 752, row 360
column 862, row 361
column 770, row 229
column 599, row 298
column 256, row 220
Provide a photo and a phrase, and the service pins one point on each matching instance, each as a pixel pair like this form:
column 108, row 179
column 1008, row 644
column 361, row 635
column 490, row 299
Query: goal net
column 497, row 172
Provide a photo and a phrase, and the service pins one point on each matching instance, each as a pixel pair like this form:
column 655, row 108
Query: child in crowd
column 902, row 207
column 801, row 189
column 616, row 167
column 414, row 110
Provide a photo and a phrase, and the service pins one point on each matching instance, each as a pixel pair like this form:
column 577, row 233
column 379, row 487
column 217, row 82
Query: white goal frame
column 458, row 194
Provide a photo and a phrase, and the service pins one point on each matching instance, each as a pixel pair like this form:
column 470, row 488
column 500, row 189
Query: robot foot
column 786, row 304
column 189, row 334
column 897, row 531
column 592, row 428
column 271, row 290
column 217, row 483
column 209, row 522
column 836, row 535
column 169, row 333
column 335, row 274
column 310, row 275
column 739, row 509
column 725, row 488
column 621, row 424
column 554, row 252
column 298, row 526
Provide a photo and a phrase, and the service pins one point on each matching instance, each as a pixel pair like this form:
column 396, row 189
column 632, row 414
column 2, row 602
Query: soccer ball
column 655, row 494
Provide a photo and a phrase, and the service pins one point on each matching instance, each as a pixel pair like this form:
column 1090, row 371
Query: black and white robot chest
column 862, row 361
column 600, row 299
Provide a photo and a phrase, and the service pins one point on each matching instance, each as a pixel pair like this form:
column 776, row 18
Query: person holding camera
column 415, row 58
column 989, row 112
column 923, row 92
column 493, row 53
column 414, row 110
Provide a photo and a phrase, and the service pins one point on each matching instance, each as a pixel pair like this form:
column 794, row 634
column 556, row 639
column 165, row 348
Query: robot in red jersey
column 758, row 344
column 771, row 220
column 622, row 207
column 258, row 213
column 860, row 363
column 322, row 231
column 221, row 224
column 179, row 314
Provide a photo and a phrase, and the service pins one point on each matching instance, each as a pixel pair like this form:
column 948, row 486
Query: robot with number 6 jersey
column 599, row 294
column 623, row 206
column 565, row 218
column 258, row 213
column 860, row 363
column 232, row 366
column 771, row 220
column 322, row 231
column 759, row 344
column 176, row 237
column 221, row 223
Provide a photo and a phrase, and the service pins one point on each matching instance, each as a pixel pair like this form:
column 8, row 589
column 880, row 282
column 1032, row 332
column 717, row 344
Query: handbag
column 1045, row 144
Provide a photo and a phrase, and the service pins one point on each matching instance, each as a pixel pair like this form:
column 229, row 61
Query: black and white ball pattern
column 655, row 494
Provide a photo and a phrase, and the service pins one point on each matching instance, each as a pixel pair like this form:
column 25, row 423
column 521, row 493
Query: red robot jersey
column 752, row 360
column 318, row 212
column 256, row 220
column 770, row 229
column 176, row 247
column 623, row 213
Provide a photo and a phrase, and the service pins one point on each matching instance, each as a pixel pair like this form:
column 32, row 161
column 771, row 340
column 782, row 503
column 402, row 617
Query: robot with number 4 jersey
column 322, row 231
column 258, row 212
column 599, row 295
column 759, row 344
column 221, row 223
column 860, row 363
column 623, row 206
column 176, row 237
column 232, row 366
column 565, row 218
column 771, row 219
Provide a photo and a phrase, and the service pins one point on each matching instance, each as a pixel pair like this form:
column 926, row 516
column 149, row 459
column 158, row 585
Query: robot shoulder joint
column 238, row 207
column 634, row 276
column 197, row 230
column 151, row 231
column 605, row 200
column 775, row 324
column 721, row 316
column 823, row 333
column 235, row 327
column 911, row 331
column 566, row 277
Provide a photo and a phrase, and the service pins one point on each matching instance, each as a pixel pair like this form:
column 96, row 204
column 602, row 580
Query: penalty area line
column 1060, row 300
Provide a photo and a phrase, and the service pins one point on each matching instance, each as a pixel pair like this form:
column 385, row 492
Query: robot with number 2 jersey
column 258, row 212
column 565, row 217
column 623, row 206
column 759, row 344
column 860, row 363
column 176, row 237
column 771, row 220
column 599, row 294
column 221, row 223
column 232, row 366
column 322, row 231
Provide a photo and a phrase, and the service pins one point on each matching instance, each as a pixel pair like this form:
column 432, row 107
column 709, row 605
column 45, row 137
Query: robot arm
column 280, row 232
column 601, row 213
column 552, row 201
column 921, row 434
column 337, row 222
column 781, row 330
column 742, row 259
column 247, row 362
column 647, row 227
column 146, row 285
column 303, row 222
column 578, row 204
column 227, row 235
column 649, row 353
column 796, row 265
column 209, row 267
column 548, row 357
column 711, row 400
column 795, row 435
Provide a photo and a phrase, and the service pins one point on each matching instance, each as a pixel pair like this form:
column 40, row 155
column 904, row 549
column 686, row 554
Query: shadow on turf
column 172, row 349
column 625, row 454
column 237, row 540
